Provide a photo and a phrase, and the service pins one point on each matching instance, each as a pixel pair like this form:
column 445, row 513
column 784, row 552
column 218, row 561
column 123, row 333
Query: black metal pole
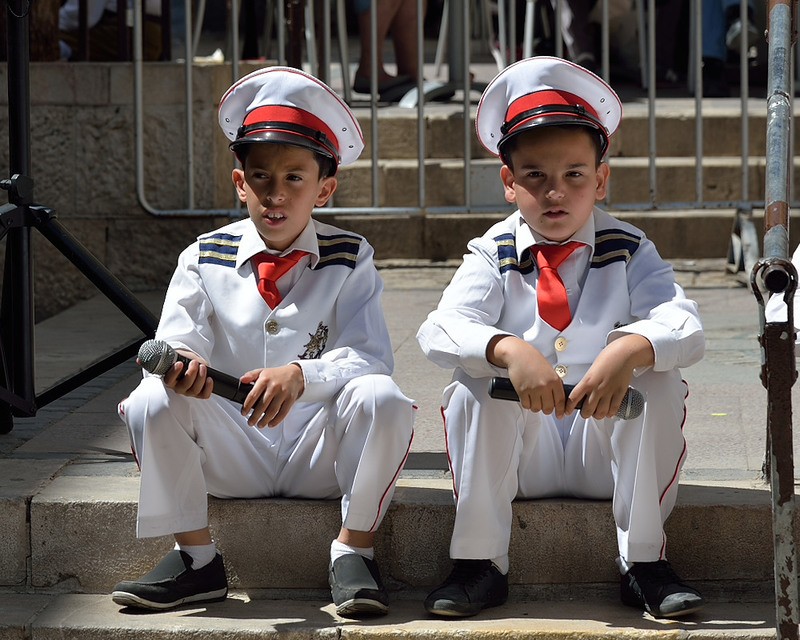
column 17, row 376
column 17, row 333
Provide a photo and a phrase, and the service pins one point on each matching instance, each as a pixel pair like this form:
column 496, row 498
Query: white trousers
column 352, row 447
column 499, row 451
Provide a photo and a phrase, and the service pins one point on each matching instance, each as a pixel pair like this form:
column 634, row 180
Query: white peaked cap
column 288, row 106
column 543, row 91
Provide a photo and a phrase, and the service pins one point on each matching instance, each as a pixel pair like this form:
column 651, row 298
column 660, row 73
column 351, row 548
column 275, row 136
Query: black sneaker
column 356, row 586
column 473, row 585
column 173, row 582
column 656, row 588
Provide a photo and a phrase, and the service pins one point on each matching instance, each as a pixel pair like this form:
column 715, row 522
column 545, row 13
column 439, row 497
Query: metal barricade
column 461, row 27
column 776, row 275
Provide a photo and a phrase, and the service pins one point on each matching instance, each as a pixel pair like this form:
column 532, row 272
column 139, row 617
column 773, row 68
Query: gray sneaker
column 356, row 587
column 173, row 582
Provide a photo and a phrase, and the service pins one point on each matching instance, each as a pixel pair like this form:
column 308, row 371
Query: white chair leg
column 311, row 38
column 441, row 43
column 200, row 15
column 530, row 22
column 502, row 32
column 490, row 34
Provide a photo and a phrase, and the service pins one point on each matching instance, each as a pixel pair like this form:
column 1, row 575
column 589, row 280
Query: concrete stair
column 68, row 491
column 93, row 617
column 629, row 157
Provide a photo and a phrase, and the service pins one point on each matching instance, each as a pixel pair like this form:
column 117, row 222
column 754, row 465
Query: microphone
column 157, row 357
column 631, row 406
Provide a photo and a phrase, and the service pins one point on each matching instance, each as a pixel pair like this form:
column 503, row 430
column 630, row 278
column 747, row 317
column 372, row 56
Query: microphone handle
column 225, row 386
column 502, row 389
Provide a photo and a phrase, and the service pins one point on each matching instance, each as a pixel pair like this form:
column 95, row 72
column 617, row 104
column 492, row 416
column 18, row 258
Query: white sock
column 623, row 565
column 501, row 562
column 202, row 554
column 339, row 549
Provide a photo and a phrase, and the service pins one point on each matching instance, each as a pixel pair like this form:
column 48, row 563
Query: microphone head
column 156, row 357
column 632, row 405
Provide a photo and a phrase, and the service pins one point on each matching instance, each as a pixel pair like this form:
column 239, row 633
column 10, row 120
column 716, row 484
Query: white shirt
column 617, row 284
column 330, row 320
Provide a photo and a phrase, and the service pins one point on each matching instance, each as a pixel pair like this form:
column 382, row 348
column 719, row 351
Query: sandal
column 390, row 91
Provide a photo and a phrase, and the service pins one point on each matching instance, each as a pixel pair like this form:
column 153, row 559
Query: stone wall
column 83, row 162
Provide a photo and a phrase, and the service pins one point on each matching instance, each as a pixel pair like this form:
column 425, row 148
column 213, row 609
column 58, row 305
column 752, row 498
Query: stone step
column 630, row 183
column 82, row 537
column 675, row 136
column 94, row 617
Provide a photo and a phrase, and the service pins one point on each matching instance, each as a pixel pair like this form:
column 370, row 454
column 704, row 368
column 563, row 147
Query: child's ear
column 508, row 184
column 603, row 174
column 326, row 190
column 237, row 176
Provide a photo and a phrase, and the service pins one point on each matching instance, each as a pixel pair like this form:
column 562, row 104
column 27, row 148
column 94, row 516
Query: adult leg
column 404, row 36
column 386, row 11
column 581, row 35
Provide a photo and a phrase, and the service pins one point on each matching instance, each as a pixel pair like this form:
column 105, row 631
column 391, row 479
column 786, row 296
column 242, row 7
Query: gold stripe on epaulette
column 226, row 257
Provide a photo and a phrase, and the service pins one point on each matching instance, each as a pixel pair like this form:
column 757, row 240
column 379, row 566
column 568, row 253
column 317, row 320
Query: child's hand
column 192, row 380
column 607, row 380
column 538, row 386
column 275, row 391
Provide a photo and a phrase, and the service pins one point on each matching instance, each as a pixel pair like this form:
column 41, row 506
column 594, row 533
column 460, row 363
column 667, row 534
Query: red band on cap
column 547, row 98
column 275, row 113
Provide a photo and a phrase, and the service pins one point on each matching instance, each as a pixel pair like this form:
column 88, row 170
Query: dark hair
column 509, row 146
column 327, row 165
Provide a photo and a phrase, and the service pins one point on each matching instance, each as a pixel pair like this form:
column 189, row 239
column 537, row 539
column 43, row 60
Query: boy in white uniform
column 611, row 316
column 324, row 418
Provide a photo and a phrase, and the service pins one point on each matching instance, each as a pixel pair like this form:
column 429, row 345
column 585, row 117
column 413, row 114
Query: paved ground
column 726, row 408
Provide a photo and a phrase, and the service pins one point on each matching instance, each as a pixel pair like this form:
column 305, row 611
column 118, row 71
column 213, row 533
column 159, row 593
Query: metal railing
column 775, row 274
column 464, row 35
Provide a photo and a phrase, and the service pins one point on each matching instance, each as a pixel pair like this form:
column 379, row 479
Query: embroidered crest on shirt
column 316, row 345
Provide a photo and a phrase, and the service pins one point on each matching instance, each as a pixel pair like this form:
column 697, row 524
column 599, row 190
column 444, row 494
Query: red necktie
column 551, row 294
column 269, row 270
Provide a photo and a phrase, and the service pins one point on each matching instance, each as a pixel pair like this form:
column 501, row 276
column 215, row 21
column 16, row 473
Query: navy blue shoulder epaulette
column 219, row 249
column 507, row 255
column 613, row 245
column 341, row 249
